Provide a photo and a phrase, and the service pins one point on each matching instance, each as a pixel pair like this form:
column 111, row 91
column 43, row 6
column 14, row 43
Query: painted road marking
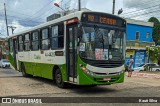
column 145, row 75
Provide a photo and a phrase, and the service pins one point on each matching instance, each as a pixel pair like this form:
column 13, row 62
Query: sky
column 24, row 14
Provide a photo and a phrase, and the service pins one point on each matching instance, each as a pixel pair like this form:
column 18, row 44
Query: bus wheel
column 58, row 79
column 24, row 74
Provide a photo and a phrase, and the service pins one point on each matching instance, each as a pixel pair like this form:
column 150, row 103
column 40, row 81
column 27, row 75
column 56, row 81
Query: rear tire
column 58, row 79
column 157, row 70
column 23, row 70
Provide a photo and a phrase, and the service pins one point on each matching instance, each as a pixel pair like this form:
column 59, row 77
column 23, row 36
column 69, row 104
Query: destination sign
column 103, row 19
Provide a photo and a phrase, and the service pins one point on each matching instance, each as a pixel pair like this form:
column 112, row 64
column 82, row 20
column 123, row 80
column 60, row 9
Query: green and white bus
column 83, row 48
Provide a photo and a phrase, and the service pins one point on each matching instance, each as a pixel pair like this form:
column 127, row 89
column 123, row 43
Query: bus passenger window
column 44, row 39
column 26, row 42
column 57, row 37
column 35, row 41
column 20, row 43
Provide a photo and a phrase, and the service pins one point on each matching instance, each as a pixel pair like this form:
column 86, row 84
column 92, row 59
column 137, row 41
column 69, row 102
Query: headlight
column 84, row 69
column 121, row 72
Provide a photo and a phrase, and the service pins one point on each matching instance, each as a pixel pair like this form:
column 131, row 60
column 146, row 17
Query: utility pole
column 79, row 5
column 113, row 8
column 6, row 19
column 12, row 28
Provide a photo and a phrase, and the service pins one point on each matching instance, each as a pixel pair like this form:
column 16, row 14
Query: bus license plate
column 106, row 79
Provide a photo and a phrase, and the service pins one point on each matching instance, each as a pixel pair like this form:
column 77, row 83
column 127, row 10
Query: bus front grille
column 108, row 65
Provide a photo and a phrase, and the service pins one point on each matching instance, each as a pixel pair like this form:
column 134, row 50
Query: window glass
column 20, row 39
column 26, row 46
column 137, row 35
column 26, row 37
column 26, row 42
column 44, row 33
column 35, row 45
column 147, row 35
column 35, row 36
column 21, row 47
column 45, row 44
column 35, row 42
column 54, row 31
column 57, row 40
column 44, row 40
column 20, row 43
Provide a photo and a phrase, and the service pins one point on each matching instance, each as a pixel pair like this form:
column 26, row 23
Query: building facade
column 3, row 48
column 138, row 35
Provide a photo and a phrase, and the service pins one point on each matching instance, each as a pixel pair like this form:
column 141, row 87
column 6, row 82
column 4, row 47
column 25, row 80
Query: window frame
column 138, row 36
column 35, row 40
column 57, row 37
column 27, row 41
column 21, row 43
column 147, row 35
column 48, row 38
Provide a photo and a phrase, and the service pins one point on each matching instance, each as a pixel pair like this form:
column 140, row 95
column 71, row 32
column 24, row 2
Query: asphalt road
column 13, row 84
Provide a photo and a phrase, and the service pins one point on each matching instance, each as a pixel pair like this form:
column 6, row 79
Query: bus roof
column 66, row 17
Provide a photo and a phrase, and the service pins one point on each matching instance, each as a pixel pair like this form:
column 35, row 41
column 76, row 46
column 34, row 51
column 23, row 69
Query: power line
column 40, row 9
column 144, row 13
column 141, row 9
column 54, row 10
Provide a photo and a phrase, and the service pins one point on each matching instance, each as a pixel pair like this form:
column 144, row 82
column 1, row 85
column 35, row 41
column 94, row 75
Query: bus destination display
column 103, row 19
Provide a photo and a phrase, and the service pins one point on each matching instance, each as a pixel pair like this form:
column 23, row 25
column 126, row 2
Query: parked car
column 145, row 67
column 140, row 68
column 155, row 68
column 4, row 63
column 150, row 65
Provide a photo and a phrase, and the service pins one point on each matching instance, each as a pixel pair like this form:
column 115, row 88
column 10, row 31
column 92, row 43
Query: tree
column 156, row 29
column 154, row 53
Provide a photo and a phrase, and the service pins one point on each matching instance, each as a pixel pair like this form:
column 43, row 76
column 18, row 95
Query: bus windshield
column 101, row 43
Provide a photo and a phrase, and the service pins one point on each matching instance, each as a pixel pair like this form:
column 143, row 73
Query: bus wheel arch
column 57, row 77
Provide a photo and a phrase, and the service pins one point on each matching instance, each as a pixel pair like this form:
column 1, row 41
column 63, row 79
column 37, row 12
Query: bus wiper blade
column 99, row 33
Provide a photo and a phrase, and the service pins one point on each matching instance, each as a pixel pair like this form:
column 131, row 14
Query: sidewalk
column 146, row 75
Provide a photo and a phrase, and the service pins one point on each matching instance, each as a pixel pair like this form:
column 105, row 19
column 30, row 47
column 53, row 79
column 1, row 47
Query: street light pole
column 113, row 8
column 6, row 19
column 57, row 5
column 79, row 5
column 12, row 28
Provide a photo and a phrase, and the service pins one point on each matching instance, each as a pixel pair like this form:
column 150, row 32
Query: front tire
column 58, row 79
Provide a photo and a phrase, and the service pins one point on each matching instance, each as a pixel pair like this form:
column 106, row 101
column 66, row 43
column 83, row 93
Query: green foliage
column 156, row 29
column 154, row 53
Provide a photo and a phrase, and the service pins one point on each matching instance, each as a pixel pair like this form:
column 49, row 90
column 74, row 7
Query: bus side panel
column 11, row 59
column 46, row 70
column 63, row 70
column 28, row 68
column 43, row 70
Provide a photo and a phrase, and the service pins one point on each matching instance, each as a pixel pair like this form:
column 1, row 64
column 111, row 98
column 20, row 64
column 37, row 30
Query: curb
column 145, row 75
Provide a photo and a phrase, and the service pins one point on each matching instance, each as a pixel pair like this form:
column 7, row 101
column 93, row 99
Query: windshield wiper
column 96, row 28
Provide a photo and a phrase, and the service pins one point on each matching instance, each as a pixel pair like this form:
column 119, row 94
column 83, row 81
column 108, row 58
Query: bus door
column 15, row 53
column 71, row 55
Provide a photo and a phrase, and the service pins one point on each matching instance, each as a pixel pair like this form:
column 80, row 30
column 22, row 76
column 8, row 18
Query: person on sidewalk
column 130, row 67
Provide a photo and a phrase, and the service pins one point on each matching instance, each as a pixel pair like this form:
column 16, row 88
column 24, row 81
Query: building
column 3, row 48
column 138, row 35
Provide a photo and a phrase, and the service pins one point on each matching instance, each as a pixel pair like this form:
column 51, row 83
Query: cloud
column 19, row 27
